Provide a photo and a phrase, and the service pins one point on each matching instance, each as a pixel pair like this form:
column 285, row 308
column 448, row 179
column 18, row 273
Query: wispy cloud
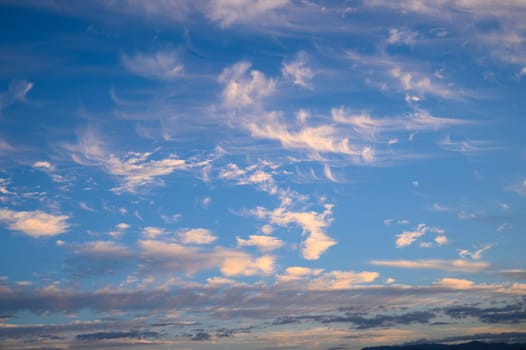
column 298, row 70
column 245, row 87
column 16, row 92
column 407, row 238
column 134, row 169
column 467, row 147
column 160, row 65
column 447, row 265
column 34, row 223
column 228, row 12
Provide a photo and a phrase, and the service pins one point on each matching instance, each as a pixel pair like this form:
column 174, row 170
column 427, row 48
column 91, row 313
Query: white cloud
column 43, row 165
column 134, row 170
column 467, row 147
column 334, row 280
column 98, row 249
column 476, row 254
column 298, row 70
column 369, row 128
column 407, row 238
column 34, row 223
column 447, row 265
column 267, row 229
column 324, row 138
column 228, row 12
column 415, row 183
column 263, row 243
column 153, row 232
column 196, row 236
column 312, row 223
column 298, row 273
column 173, row 257
column 16, row 92
column 161, row 65
column 454, row 283
column 401, row 36
column 328, row 173
column 441, row 240
column 244, row 87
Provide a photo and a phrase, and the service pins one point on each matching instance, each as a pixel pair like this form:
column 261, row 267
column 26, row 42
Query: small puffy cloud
column 119, row 230
column 196, row 236
column 267, row 229
column 244, row 87
column 153, row 232
column 161, row 65
column 298, row 70
column 296, row 273
column 43, row 165
column 441, row 240
column 34, row 223
column 228, row 12
column 415, row 183
column 447, row 265
column 454, row 283
column 263, row 243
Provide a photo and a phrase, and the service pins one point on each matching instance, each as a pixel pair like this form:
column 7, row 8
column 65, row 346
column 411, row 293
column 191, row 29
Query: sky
column 261, row 174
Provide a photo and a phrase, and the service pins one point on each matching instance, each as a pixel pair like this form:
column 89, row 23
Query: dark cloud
column 116, row 335
column 360, row 321
column 201, row 336
column 513, row 313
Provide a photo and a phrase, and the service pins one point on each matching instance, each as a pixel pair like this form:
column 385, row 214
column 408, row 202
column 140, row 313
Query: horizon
column 238, row 174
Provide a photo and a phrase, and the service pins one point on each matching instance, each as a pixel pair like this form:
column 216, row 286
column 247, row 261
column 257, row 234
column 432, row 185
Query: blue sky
column 236, row 174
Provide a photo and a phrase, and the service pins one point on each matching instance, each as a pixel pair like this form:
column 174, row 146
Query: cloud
column 475, row 255
column 43, row 165
column 244, row 87
column 298, row 70
column 116, row 335
column 520, row 187
column 342, row 279
column 161, row 256
column 455, row 283
column 228, row 12
column 407, row 238
column 263, row 243
column 134, row 170
column 16, row 92
column 466, row 147
column 401, row 36
column 161, row 65
column 447, row 265
column 34, row 223
column 370, row 128
column 312, row 223
column 153, row 232
column 324, row 138
column 196, row 236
